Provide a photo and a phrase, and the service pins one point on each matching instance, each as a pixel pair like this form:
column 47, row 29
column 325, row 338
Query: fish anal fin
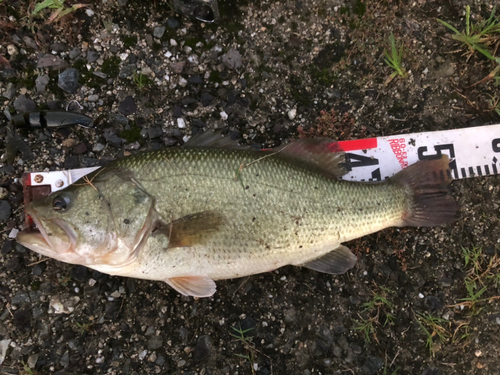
column 336, row 262
column 194, row 286
column 190, row 230
column 324, row 153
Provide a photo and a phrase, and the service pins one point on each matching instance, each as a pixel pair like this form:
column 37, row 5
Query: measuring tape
column 472, row 152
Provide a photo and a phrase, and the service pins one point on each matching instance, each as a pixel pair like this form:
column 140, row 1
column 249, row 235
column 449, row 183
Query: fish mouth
column 54, row 238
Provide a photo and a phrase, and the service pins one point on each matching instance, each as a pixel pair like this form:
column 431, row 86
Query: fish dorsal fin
column 210, row 139
column 336, row 262
column 190, row 230
column 324, row 153
column 194, row 286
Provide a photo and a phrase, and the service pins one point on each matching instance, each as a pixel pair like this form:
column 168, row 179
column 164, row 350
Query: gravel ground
column 418, row 301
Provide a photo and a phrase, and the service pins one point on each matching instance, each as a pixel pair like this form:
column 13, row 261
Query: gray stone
column 127, row 71
column 30, row 42
column 203, row 349
column 155, row 342
column 158, row 31
column 155, row 132
column 172, row 23
column 58, row 47
column 92, row 56
column 74, row 53
column 41, row 83
column 68, row 80
column 51, row 62
column 127, row 106
column 178, row 67
column 5, row 211
column 22, row 104
column 232, row 59
column 9, row 91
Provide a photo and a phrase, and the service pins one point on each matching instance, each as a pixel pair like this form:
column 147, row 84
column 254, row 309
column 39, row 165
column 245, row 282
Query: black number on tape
column 495, row 145
column 438, row 154
column 354, row 161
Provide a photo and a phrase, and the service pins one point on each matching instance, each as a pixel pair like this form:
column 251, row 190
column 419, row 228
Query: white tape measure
column 472, row 151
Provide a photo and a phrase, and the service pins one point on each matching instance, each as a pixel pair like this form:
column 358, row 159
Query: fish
column 212, row 210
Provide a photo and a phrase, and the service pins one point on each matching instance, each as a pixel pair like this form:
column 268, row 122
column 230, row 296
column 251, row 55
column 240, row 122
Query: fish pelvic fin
column 336, row 262
column 430, row 202
column 193, row 286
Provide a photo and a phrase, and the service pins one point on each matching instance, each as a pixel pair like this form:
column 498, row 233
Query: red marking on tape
column 398, row 146
column 358, row 144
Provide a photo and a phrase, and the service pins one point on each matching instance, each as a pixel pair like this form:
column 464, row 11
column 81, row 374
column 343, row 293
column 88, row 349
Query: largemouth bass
column 211, row 211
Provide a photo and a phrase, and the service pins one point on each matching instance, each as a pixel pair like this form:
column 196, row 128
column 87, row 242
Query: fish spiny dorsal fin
column 210, row 139
column 325, row 154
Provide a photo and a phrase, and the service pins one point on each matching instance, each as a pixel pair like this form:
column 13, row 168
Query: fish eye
column 60, row 203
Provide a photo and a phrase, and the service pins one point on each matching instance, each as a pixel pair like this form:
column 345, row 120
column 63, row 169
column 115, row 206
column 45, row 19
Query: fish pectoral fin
column 190, row 230
column 336, row 262
column 194, row 286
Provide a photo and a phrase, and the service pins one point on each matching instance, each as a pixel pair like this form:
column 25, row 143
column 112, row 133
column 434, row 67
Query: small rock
column 149, row 40
column 203, row 349
column 70, row 142
column 155, row 342
column 116, row 294
column 9, row 91
column 155, row 132
column 195, row 80
column 431, row 371
column 32, row 360
column 58, row 47
column 74, row 53
column 4, row 346
column 181, row 123
column 50, row 61
column 22, row 104
column 292, row 113
column 206, row 99
column 71, row 162
column 68, row 80
column 30, row 42
column 12, row 50
column 172, row 23
column 3, row 193
column 177, row 111
column 98, row 147
column 41, row 83
column 158, row 31
column 80, row 148
column 178, row 67
column 232, row 59
column 5, row 211
column 63, row 304
column 127, row 106
column 182, row 82
column 93, row 98
column 12, row 264
column 181, row 363
column 198, row 123
column 223, row 116
column 92, row 56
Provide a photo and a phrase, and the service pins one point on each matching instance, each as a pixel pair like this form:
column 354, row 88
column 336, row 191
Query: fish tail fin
column 430, row 202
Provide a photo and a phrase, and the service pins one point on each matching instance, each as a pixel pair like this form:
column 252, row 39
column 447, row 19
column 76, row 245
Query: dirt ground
column 419, row 301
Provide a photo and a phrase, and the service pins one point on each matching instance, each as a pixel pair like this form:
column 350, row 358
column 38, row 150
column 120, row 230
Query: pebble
column 292, row 113
column 143, row 354
column 158, row 31
column 80, row 148
column 178, row 67
column 232, row 59
column 70, row 142
column 63, row 304
column 51, row 62
column 32, row 360
column 12, row 50
column 30, row 42
column 68, row 80
column 181, row 124
column 92, row 56
column 98, row 147
column 4, row 346
column 22, row 104
column 223, row 116
column 58, row 47
column 74, row 53
column 182, row 82
column 195, row 80
column 155, row 132
column 71, row 162
column 206, row 99
column 203, row 349
column 172, row 23
column 3, row 193
column 93, row 98
column 10, row 91
column 5, row 211
column 155, row 342
column 181, row 363
column 41, row 83
column 127, row 106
